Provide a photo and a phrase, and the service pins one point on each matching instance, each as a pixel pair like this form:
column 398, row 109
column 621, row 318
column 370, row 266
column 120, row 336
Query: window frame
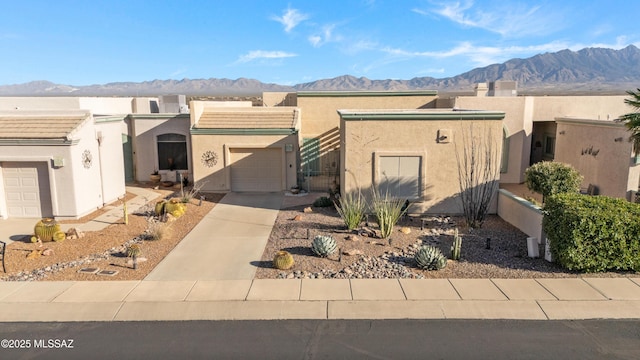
column 378, row 177
column 159, row 141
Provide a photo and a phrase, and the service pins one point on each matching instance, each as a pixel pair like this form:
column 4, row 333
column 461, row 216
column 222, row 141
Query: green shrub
column 323, row 245
column 549, row 178
column 388, row 211
column 322, row 201
column 351, row 209
column 429, row 257
column 593, row 233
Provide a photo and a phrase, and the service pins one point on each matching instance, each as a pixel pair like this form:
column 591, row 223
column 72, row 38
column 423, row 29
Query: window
column 504, row 161
column 172, row 152
column 549, row 146
column 400, row 176
column 310, row 156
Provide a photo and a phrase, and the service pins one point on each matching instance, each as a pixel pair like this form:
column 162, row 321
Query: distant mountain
column 587, row 70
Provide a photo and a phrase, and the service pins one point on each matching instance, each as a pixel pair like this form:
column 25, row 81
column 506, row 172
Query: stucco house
column 58, row 163
column 316, row 139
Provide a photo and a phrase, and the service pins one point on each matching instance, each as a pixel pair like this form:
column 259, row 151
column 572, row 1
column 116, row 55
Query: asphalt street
column 326, row 339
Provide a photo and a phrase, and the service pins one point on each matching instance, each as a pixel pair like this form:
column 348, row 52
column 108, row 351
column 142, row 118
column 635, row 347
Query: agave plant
column 323, row 245
column 430, row 257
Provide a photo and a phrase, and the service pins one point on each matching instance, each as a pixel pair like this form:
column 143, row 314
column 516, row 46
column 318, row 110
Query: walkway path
column 226, row 242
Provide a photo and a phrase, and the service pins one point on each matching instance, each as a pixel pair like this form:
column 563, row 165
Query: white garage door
column 26, row 189
column 256, row 169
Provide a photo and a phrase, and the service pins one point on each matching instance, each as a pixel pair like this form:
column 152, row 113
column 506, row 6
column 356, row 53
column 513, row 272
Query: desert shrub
column 323, row 245
column 388, row 210
column 593, row 233
column 550, row 177
column 157, row 231
column 323, row 201
column 351, row 208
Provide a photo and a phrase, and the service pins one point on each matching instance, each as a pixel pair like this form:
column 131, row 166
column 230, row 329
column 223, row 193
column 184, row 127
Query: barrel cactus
column 323, row 245
column 430, row 257
column 283, row 260
column 160, row 207
column 45, row 229
column 175, row 207
column 59, row 236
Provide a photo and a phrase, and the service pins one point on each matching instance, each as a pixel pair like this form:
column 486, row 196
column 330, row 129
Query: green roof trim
column 357, row 115
column 108, row 119
column 157, row 116
column 577, row 121
column 366, row 93
column 248, row 131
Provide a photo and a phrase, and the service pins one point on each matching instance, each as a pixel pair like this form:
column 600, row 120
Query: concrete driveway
column 225, row 242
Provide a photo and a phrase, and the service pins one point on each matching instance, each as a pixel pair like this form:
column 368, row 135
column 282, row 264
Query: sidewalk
column 268, row 299
column 209, row 276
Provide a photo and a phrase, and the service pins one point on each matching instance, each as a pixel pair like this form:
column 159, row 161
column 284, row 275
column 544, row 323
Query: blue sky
column 288, row 42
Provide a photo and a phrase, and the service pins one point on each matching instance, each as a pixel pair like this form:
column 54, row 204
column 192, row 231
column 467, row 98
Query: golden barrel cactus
column 45, row 229
column 283, row 260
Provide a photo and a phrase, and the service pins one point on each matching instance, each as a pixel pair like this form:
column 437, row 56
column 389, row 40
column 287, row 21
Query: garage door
column 26, row 188
column 256, row 169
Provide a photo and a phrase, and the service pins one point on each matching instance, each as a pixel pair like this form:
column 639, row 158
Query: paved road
column 291, row 339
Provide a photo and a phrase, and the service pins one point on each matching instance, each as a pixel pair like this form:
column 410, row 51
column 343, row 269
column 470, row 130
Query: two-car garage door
column 256, row 169
column 26, row 189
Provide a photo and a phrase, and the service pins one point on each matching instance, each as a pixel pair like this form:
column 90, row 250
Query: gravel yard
column 506, row 256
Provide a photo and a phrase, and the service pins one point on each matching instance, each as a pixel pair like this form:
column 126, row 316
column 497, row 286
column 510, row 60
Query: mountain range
column 590, row 70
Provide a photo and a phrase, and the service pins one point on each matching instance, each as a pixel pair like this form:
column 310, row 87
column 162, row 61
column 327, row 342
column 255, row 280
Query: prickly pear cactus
column 430, row 257
column 323, row 245
column 283, row 260
column 45, row 229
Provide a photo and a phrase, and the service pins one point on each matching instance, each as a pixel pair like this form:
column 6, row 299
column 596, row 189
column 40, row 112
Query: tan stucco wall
column 279, row 99
column 589, row 107
column 217, row 178
column 145, row 130
column 363, row 141
column 319, row 112
column 518, row 124
column 612, row 170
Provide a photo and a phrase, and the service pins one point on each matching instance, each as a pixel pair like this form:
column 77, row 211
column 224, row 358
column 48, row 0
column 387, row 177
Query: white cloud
column 507, row 19
column 325, row 36
column 290, row 19
column 262, row 54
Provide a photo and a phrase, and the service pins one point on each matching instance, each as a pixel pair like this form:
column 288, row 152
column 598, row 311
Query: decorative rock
column 47, row 252
column 352, row 238
column 405, row 230
column 307, row 210
column 75, row 233
column 352, row 252
column 34, row 254
column 297, row 218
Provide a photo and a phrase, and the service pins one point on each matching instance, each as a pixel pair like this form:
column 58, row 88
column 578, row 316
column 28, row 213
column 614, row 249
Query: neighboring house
column 601, row 152
column 530, row 124
column 413, row 153
column 244, row 148
column 392, row 139
column 57, row 163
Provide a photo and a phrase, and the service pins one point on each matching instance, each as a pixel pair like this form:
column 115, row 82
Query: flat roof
column 419, row 114
column 366, row 93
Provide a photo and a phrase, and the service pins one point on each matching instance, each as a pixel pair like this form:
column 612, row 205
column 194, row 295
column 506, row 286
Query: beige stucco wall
column 588, row 107
column 518, row 125
column 144, row 130
column 270, row 98
column 110, row 159
column 363, row 141
column 217, row 178
column 39, row 103
column 612, row 169
column 319, row 112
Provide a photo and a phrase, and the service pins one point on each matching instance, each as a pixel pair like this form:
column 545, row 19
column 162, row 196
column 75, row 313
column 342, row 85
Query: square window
column 400, row 176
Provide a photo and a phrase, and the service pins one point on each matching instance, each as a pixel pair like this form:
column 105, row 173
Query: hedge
column 593, row 233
